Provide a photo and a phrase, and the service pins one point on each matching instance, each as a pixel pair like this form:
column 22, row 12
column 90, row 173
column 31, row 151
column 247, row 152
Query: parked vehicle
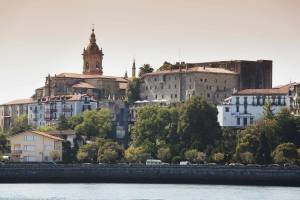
column 155, row 162
column 185, row 163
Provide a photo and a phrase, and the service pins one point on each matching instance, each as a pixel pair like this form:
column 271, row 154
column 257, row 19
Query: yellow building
column 34, row 146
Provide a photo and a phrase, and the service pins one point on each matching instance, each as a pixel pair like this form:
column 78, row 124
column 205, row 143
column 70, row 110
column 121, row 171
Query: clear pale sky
column 38, row 37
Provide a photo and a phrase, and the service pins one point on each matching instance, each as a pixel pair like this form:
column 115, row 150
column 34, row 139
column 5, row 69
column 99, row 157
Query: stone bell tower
column 92, row 57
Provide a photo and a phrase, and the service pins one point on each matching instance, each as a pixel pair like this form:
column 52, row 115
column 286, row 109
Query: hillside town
column 195, row 112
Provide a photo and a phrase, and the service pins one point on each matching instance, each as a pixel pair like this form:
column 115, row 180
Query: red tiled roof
column 40, row 133
column 193, row 69
column 90, row 76
column 19, row 101
column 280, row 90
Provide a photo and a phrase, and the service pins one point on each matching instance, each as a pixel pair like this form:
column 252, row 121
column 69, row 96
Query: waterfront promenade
column 123, row 173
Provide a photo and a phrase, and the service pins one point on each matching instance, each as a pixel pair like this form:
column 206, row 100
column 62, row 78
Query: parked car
column 185, row 163
column 155, row 162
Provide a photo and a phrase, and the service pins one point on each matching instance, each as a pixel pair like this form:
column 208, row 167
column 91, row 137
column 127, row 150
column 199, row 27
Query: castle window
column 175, row 86
column 205, row 80
column 162, row 96
column 155, row 79
column 226, row 109
column 156, row 96
column 238, row 121
column 201, row 79
column 175, row 95
column 208, row 95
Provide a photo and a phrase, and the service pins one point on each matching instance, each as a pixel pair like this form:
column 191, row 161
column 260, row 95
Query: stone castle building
column 212, row 80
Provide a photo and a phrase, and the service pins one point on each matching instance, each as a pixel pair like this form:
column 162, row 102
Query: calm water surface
column 144, row 192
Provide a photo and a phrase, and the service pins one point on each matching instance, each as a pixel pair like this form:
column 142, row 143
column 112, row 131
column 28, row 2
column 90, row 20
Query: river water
column 144, row 192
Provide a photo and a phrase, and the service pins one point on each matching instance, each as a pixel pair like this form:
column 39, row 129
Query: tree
column 136, row 155
column 109, row 151
column 164, row 154
column 62, row 123
column 247, row 157
column 285, row 153
column 288, row 127
column 75, row 120
column 154, row 128
column 67, row 152
column 88, row 152
column 191, row 155
column 146, row 68
column 3, row 143
column 263, row 154
column 166, row 66
column 198, row 124
column 267, row 110
column 20, row 124
column 54, row 155
column 133, row 91
column 96, row 123
column 248, row 141
column 46, row 128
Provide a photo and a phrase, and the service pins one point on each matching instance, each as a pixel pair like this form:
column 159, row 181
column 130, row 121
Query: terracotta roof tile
column 281, row 90
column 193, row 69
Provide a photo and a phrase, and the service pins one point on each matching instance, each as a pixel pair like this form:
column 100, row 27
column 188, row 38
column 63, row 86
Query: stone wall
column 249, row 175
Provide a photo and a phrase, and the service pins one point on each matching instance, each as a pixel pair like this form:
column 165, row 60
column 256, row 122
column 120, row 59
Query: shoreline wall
column 197, row 174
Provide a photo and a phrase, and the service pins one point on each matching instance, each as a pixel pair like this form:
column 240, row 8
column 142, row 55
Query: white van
column 154, row 162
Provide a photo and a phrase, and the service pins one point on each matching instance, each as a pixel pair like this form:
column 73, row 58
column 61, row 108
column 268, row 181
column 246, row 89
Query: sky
column 41, row 37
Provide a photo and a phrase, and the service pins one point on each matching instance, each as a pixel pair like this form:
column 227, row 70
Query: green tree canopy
column 285, row 153
column 146, row 68
column 198, row 124
column 20, row 124
column 166, row 66
column 96, row 123
column 133, row 91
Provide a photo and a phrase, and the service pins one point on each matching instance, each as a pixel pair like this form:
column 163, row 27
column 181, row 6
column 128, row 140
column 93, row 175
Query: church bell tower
column 92, row 57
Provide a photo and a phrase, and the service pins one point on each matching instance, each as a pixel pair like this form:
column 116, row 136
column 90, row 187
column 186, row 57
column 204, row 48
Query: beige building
column 214, row 84
column 34, row 146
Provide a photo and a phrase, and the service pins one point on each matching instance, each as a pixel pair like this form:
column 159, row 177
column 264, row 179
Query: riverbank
column 199, row 174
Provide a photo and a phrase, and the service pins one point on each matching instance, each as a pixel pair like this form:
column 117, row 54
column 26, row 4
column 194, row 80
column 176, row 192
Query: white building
column 47, row 110
column 246, row 106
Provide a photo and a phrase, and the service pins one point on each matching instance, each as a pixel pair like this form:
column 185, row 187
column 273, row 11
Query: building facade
column 246, row 106
column 179, row 85
column 11, row 110
column 34, row 146
column 47, row 110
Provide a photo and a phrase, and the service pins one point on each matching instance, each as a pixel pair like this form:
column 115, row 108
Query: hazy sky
column 38, row 37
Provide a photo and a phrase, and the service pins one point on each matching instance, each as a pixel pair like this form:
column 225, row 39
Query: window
column 237, row 108
column 155, row 87
column 175, row 96
column 238, row 121
column 169, row 86
column 251, row 120
column 155, row 79
column 29, row 148
column 156, row 96
column 30, row 138
column 208, row 95
column 171, row 96
column 205, row 80
column 226, row 109
column 245, row 121
column 146, row 87
column 237, row 100
column 175, row 86
column 201, row 79
column 162, row 96
column 29, row 158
